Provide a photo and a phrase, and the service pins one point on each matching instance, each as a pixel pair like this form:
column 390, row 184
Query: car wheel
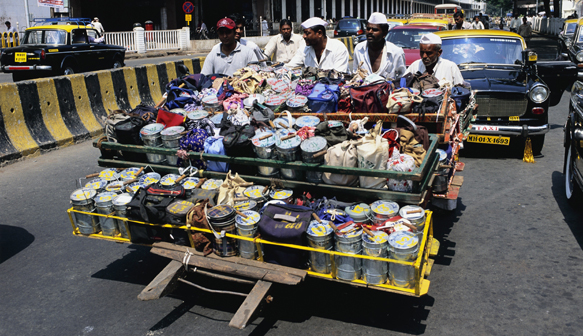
column 538, row 142
column 68, row 70
column 117, row 64
column 572, row 189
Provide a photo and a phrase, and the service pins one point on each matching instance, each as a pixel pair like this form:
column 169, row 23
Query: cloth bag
column 333, row 131
column 401, row 101
column 373, row 153
column 231, row 186
column 324, row 98
column 342, row 155
column 214, row 145
column 371, row 98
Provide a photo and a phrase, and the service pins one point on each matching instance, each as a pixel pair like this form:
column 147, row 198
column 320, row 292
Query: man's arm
column 271, row 45
column 208, row 67
column 399, row 64
column 298, row 59
column 341, row 60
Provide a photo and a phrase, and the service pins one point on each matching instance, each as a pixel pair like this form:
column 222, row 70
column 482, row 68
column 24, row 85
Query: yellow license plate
column 488, row 139
column 20, row 57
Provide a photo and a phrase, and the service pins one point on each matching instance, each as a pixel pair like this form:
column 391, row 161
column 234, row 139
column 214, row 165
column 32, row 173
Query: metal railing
column 162, row 39
column 551, row 26
column 124, row 39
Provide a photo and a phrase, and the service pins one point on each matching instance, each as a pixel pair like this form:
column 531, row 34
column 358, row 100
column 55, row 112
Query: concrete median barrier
column 48, row 113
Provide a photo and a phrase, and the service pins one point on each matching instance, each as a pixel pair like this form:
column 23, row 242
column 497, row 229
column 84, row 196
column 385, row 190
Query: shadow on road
column 571, row 215
column 443, row 222
column 13, row 240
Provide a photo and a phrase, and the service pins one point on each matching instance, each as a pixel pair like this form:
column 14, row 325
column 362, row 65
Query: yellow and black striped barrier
column 8, row 40
column 46, row 113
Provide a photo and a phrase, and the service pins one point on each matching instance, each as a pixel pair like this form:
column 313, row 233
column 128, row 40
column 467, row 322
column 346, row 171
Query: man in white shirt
column 285, row 44
column 265, row 28
column 376, row 55
column 514, row 24
column 320, row 51
column 431, row 62
column 229, row 55
column 477, row 24
column 98, row 26
column 239, row 29
column 460, row 23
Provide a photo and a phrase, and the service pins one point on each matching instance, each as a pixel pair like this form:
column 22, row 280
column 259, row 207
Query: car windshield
column 49, row 36
column 571, row 28
column 349, row 24
column 407, row 38
column 492, row 50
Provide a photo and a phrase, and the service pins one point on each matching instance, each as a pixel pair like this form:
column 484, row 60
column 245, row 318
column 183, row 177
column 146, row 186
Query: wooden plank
column 457, row 181
column 237, row 260
column 250, row 304
column 459, row 166
column 163, row 283
column 228, row 267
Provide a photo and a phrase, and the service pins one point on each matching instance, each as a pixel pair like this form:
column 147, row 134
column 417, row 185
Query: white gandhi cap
column 377, row 18
column 430, row 39
column 314, row 21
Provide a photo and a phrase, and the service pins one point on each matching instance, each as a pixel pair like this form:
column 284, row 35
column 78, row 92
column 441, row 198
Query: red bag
column 371, row 98
column 169, row 118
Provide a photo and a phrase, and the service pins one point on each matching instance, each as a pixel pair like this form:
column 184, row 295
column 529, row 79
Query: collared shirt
column 444, row 70
column 515, row 23
column 392, row 62
column 465, row 25
column 284, row 50
column 335, row 56
column 253, row 46
column 98, row 26
column 524, row 30
column 217, row 62
column 477, row 25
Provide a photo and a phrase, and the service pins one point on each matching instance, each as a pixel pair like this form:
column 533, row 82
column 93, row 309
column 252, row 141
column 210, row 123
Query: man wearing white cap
column 431, row 62
column 376, row 55
column 320, row 51
column 98, row 26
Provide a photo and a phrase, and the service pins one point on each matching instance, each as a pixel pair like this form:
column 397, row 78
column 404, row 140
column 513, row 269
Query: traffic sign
column 188, row 17
column 188, row 7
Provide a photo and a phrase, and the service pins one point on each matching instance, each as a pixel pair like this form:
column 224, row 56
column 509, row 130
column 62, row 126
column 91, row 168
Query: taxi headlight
column 568, row 42
column 539, row 94
column 580, row 56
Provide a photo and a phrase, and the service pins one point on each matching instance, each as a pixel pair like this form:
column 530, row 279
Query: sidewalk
column 160, row 53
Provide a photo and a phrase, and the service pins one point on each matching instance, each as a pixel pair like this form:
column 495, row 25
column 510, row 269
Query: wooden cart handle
column 367, row 231
column 181, row 178
column 316, row 217
column 266, row 136
column 282, row 125
column 246, row 184
column 265, row 189
column 92, row 175
column 414, row 211
column 200, row 182
column 272, row 124
column 320, row 153
column 140, row 171
column 240, row 199
column 289, row 136
column 334, row 227
column 130, row 181
column 241, row 214
column 412, row 227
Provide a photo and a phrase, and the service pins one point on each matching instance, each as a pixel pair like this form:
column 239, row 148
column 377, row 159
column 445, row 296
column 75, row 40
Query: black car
column 350, row 27
column 60, row 49
column 513, row 91
column 573, row 141
column 565, row 38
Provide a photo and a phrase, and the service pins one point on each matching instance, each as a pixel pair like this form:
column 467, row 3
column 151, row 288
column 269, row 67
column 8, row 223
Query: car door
column 80, row 49
column 98, row 51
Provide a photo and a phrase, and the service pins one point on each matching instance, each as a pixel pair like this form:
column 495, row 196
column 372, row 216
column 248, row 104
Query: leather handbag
column 402, row 100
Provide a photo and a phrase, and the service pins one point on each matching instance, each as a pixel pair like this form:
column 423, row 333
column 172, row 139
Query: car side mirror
column 529, row 57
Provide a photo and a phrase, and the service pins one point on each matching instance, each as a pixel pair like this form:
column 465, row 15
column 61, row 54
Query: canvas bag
column 214, row 145
column 371, row 98
column 402, row 100
column 342, row 155
column 285, row 224
column 373, row 153
column 324, row 98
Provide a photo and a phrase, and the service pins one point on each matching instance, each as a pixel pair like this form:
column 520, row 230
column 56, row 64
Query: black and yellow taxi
column 575, row 50
column 565, row 37
column 513, row 90
column 60, row 48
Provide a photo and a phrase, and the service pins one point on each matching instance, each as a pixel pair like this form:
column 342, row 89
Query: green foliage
column 494, row 6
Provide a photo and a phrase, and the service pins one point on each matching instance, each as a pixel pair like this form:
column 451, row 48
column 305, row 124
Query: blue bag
column 324, row 98
column 214, row 145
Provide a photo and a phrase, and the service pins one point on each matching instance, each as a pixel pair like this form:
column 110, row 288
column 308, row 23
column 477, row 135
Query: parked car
column 573, row 142
column 513, row 90
column 430, row 22
column 350, row 27
column 408, row 37
column 60, row 49
column 566, row 37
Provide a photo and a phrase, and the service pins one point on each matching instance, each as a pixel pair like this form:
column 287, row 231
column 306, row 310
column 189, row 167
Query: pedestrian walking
column 265, row 27
column 10, row 29
column 477, row 24
column 98, row 26
column 525, row 30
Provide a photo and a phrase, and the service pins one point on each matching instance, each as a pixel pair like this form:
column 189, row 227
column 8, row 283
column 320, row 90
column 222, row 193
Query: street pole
column 27, row 14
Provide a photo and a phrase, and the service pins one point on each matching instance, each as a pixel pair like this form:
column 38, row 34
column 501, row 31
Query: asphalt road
column 510, row 263
column 7, row 78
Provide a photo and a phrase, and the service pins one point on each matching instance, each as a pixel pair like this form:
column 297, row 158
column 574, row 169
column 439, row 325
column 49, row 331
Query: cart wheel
column 572, row 189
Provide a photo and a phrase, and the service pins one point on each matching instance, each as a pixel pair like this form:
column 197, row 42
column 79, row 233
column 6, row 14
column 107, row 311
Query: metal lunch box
column 120, row 206
column 360, row 213
column 348, row 268
column 97, row 184
column 130, row 174
column 246, row 205
column 222, row 218
column 440, row 181
column 149, row 178
column 320, row 236
column 284, row 122
column 247, row 227
column 133, row 187
column 211, row 102
column 104, row 206
column 274, row 101
column 150, row 135
column 197, row 115
column 115, row 186
column 169, row 180
column 264, row 147
column 416, row 215
column 285, row 195
column 313, row 151
column 82, row 200
column 375, row 271
column 171, row 139
column 255, row 193
column 297, row 103
column 212, row 184
column 382, row 210
column 309, row 121
column 189, row 184
column 287, row 150
column 256, row 97
column 109, row 174
column 403, row 246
